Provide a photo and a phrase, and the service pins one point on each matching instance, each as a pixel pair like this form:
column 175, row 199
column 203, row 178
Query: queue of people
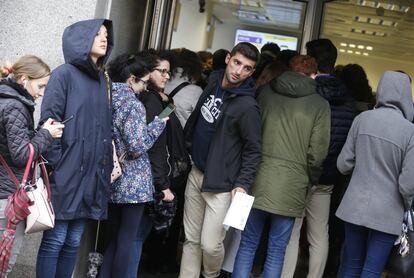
column 283, row 127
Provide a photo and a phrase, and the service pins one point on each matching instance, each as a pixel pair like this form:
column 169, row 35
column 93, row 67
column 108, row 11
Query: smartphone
column 167, row 111
column 67, row 120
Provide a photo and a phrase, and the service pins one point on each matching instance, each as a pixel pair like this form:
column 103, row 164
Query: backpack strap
column 178, row 88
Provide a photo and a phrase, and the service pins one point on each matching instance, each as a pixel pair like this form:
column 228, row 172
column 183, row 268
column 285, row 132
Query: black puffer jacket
column 16, row 132
column 343, row 112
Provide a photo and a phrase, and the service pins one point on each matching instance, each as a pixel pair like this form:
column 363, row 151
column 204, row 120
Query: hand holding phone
column 64, row 121
column 55, row 129
column 167, row 111
column 67, row 119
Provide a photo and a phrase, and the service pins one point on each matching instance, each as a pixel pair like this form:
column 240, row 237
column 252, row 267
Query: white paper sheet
column 238, row 211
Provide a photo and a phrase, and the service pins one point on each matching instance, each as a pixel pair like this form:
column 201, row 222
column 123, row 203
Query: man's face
column 238, row 69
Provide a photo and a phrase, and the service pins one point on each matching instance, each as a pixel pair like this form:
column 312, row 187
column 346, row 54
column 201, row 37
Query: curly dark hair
column 190, row 62
column 356, row 81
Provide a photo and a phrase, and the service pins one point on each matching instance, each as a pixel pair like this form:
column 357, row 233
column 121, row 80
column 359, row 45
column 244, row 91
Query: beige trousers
column 204, row 213
column 317, row 216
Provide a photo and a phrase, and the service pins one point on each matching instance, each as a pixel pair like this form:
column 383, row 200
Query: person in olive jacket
column 82, row 160
column 295, row 135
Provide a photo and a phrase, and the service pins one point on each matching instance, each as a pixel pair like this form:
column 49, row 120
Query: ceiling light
column 369, row 48
column 375, row 21
column 351, row 45
column 379, row 34
column 341, row 50
column 343, row 44
column 350, row 51
column 361, row 46
column 384, row 6
column 357, row 53
column 365, row 54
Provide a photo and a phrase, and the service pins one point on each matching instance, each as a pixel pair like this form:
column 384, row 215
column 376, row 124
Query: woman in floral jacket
column 133, row 137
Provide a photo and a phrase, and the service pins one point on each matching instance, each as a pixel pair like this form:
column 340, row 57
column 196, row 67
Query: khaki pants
column 204, row 213
column 317, row 216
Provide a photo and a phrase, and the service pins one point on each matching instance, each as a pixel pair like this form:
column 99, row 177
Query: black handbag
column 401, row 260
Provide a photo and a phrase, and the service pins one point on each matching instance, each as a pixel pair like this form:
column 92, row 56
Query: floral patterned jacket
column 134, row 138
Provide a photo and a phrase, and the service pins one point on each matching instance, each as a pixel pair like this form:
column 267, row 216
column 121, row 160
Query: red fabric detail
column 6, row 245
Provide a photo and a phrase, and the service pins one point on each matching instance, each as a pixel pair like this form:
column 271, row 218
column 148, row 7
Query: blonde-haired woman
column 26, row 80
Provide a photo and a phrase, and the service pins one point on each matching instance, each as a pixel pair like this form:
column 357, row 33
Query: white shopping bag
column 238, row 211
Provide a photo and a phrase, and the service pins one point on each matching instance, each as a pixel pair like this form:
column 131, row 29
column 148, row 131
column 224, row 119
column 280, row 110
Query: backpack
column 179, row 158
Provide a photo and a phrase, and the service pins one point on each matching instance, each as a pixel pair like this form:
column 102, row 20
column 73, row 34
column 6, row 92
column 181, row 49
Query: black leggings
column 125, row 220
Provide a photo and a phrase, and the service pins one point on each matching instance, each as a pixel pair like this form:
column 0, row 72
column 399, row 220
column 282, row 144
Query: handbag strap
column 178, row 88
column 26, row 170
column 42, row 165
column 9, row 171
column 97, row 235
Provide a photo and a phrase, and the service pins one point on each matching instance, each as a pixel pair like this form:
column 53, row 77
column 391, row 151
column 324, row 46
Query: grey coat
column 380, row 152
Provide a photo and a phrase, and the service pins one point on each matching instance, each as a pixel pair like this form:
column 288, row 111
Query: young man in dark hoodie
column 224, row 137
column 319, row 199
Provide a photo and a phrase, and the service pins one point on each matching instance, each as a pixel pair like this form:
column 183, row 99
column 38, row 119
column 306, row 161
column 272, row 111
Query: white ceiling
column 386, row 25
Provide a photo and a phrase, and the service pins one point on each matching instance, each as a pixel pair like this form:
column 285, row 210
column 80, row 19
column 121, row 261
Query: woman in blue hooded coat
column 81, row 162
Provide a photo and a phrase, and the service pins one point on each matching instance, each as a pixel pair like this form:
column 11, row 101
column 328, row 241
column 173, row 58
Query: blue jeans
column 365, row 252
column 59, row 248
column 279, row 235
column 142, row 234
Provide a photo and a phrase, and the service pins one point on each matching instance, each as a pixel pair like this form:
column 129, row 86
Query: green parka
column 295, row 141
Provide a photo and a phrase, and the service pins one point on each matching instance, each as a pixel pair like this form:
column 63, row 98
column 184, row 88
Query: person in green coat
column 295, row 139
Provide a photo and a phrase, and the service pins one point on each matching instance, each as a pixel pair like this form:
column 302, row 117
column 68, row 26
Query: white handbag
column 42, row 216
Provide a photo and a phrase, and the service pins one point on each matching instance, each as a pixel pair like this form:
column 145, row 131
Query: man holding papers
column 224, row 138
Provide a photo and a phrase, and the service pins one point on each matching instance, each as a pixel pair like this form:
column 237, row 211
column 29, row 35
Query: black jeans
column 125, row 220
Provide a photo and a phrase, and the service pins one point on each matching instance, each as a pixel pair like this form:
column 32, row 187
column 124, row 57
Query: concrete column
column 313, row 21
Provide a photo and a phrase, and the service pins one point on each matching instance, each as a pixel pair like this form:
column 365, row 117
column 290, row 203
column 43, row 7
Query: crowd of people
column 294, row 131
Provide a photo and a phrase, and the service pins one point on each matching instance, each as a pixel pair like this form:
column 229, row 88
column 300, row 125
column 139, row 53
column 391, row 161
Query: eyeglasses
column 163, row 72
column 144, row 82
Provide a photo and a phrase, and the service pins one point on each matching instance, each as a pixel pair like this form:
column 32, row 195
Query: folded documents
column 238, row 212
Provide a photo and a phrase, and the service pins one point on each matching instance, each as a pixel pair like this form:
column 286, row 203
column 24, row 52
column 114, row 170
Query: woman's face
column 139, row 84
column 100, row 44
column 35, row 87
column 161, row 74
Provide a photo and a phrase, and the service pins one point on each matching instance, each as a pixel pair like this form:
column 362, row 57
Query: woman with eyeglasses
column 133, row 138
column 155, row 101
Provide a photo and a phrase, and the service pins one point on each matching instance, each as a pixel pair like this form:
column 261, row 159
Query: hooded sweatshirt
column 379, row 151
column 223, row 135
column 82, row 159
